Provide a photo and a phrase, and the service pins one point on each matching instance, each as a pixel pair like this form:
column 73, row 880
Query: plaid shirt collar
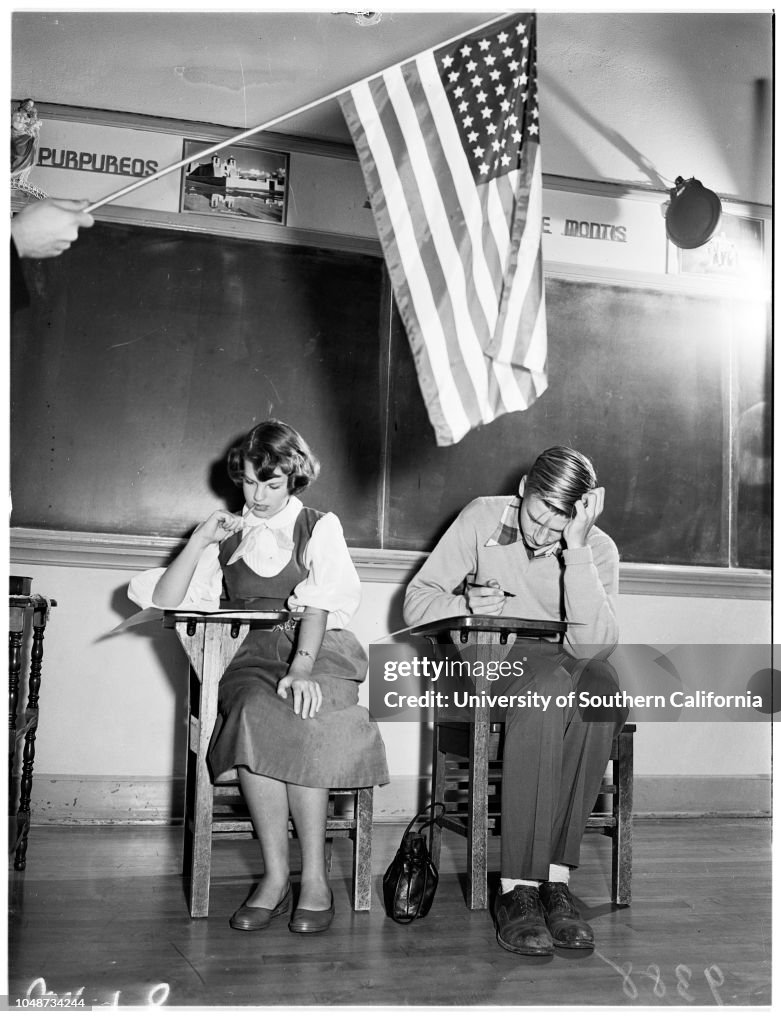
column 508, row 531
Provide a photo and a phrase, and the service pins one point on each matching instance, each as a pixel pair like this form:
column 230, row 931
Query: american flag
column 449, row 146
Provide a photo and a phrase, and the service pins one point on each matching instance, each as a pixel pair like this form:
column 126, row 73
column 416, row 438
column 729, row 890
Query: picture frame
column 736, row 250
column 240, row 181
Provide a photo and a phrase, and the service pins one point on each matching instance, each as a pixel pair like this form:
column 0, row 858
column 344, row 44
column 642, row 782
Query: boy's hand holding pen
column 486, row 598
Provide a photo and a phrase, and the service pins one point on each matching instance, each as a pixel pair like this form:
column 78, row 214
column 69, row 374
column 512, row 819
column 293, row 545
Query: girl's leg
column 309, row 808
column 268, row 807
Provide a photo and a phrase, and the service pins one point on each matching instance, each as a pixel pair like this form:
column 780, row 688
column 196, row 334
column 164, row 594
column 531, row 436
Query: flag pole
column 249, row 132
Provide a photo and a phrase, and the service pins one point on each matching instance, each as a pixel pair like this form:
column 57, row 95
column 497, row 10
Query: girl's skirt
column 340, row 747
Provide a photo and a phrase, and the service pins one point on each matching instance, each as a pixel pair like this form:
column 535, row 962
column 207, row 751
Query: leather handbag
column 409, row 884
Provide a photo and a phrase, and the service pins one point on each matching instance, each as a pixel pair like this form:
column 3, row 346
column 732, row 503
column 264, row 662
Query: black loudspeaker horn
column 692, row 214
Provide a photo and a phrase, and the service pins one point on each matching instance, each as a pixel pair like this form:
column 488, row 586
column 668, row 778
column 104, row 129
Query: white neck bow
column 265, row 549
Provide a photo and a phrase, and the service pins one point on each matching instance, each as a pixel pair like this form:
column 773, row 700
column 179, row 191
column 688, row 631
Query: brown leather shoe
column 567, row 927
column 520, row 922
column 309, row 922
column 255, row 919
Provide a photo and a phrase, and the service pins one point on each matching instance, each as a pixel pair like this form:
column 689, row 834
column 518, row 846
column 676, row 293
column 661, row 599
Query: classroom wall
column 112, row 733
column 640, row 98
column 625, row 96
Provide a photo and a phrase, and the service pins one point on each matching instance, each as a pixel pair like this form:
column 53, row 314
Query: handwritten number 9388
column 683, row 974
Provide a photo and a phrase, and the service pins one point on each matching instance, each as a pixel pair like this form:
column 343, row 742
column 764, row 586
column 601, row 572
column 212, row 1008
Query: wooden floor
column 100, row 911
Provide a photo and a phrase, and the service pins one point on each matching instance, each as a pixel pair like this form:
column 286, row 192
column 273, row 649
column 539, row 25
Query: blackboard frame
column 727, row 554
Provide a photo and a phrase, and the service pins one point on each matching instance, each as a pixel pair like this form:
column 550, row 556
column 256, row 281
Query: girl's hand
column 587, row 509
column 307, row 695
column 487, row 600
column 219, row 526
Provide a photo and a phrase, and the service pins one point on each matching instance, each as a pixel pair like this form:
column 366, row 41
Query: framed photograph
column 736, row 249
column 238, row 181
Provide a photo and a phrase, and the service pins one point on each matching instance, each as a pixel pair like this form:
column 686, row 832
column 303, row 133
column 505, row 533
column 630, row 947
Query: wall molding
column 346, row 151
column 142, row 800
column 133, row 553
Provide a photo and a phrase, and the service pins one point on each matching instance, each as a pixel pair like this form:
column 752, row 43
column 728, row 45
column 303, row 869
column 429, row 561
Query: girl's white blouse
column 332, row 583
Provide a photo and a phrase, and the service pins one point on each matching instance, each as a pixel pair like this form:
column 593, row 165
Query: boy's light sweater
column 576, row 585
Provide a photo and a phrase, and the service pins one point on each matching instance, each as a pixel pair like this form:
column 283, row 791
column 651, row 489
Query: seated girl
column 289, row 719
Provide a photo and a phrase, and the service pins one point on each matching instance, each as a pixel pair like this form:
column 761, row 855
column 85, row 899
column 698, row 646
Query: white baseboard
column 95, row 800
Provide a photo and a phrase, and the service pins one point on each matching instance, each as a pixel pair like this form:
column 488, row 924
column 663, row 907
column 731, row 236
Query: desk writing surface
column 238, row 614
column 492, row 624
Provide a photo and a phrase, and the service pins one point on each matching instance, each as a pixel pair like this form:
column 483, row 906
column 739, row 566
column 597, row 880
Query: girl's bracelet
column 305, row 654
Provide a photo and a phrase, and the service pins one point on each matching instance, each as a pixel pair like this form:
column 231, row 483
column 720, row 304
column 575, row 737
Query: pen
column 504, row 593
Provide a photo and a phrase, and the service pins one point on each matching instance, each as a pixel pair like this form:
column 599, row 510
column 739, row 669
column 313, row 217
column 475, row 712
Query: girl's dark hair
column 560, row 476
column 271, row 446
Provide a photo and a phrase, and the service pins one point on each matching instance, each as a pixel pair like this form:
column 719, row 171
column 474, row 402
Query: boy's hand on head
column 587, row 509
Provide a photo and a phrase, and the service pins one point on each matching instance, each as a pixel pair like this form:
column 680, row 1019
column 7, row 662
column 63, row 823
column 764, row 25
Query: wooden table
column 23, row 611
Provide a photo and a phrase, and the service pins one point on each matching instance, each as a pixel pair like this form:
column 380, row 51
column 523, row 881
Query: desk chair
column 467, row 761
column 216, row 808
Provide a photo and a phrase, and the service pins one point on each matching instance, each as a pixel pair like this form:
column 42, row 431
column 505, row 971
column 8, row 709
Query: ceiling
column 625, row 97
column 236, row 69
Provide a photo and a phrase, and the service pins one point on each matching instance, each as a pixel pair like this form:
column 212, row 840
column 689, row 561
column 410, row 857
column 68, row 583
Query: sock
column 558, row 873
column 508, row 884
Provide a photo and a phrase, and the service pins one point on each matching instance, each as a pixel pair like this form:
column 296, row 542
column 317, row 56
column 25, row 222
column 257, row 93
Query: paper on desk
column 145, row 615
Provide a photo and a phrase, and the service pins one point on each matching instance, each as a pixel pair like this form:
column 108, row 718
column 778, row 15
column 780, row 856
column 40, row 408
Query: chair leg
column 477, row 838
column 362, row 852
column 439, row 760
column 201, row 863
column 198, row 816
column 623, row 773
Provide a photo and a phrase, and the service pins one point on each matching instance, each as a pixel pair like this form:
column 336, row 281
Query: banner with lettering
column 89, row 161
column 604, row 231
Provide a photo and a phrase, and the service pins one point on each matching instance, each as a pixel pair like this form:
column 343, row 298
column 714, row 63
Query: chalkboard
column 146, row 352
column 637, row 382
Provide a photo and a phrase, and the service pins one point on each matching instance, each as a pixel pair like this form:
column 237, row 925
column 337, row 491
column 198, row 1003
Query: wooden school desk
column 466, row 752
column 210, row 640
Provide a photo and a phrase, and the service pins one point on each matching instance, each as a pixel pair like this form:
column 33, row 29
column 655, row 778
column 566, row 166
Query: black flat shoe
column 520, row 922
column 309, row 922
column 567, row 927
column 255, row 919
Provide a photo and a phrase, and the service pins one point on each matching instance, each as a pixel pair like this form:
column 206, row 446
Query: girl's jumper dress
column 341, row 746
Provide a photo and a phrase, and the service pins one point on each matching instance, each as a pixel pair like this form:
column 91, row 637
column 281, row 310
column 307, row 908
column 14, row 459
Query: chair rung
column 231, row 826
column 194, row 734
column 601, row 821
column 237, row 823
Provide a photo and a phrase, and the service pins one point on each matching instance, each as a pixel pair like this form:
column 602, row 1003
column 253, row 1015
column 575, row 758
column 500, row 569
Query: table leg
column 210, row 652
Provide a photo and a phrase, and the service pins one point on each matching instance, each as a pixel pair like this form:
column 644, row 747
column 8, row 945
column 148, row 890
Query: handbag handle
column 433, row 819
